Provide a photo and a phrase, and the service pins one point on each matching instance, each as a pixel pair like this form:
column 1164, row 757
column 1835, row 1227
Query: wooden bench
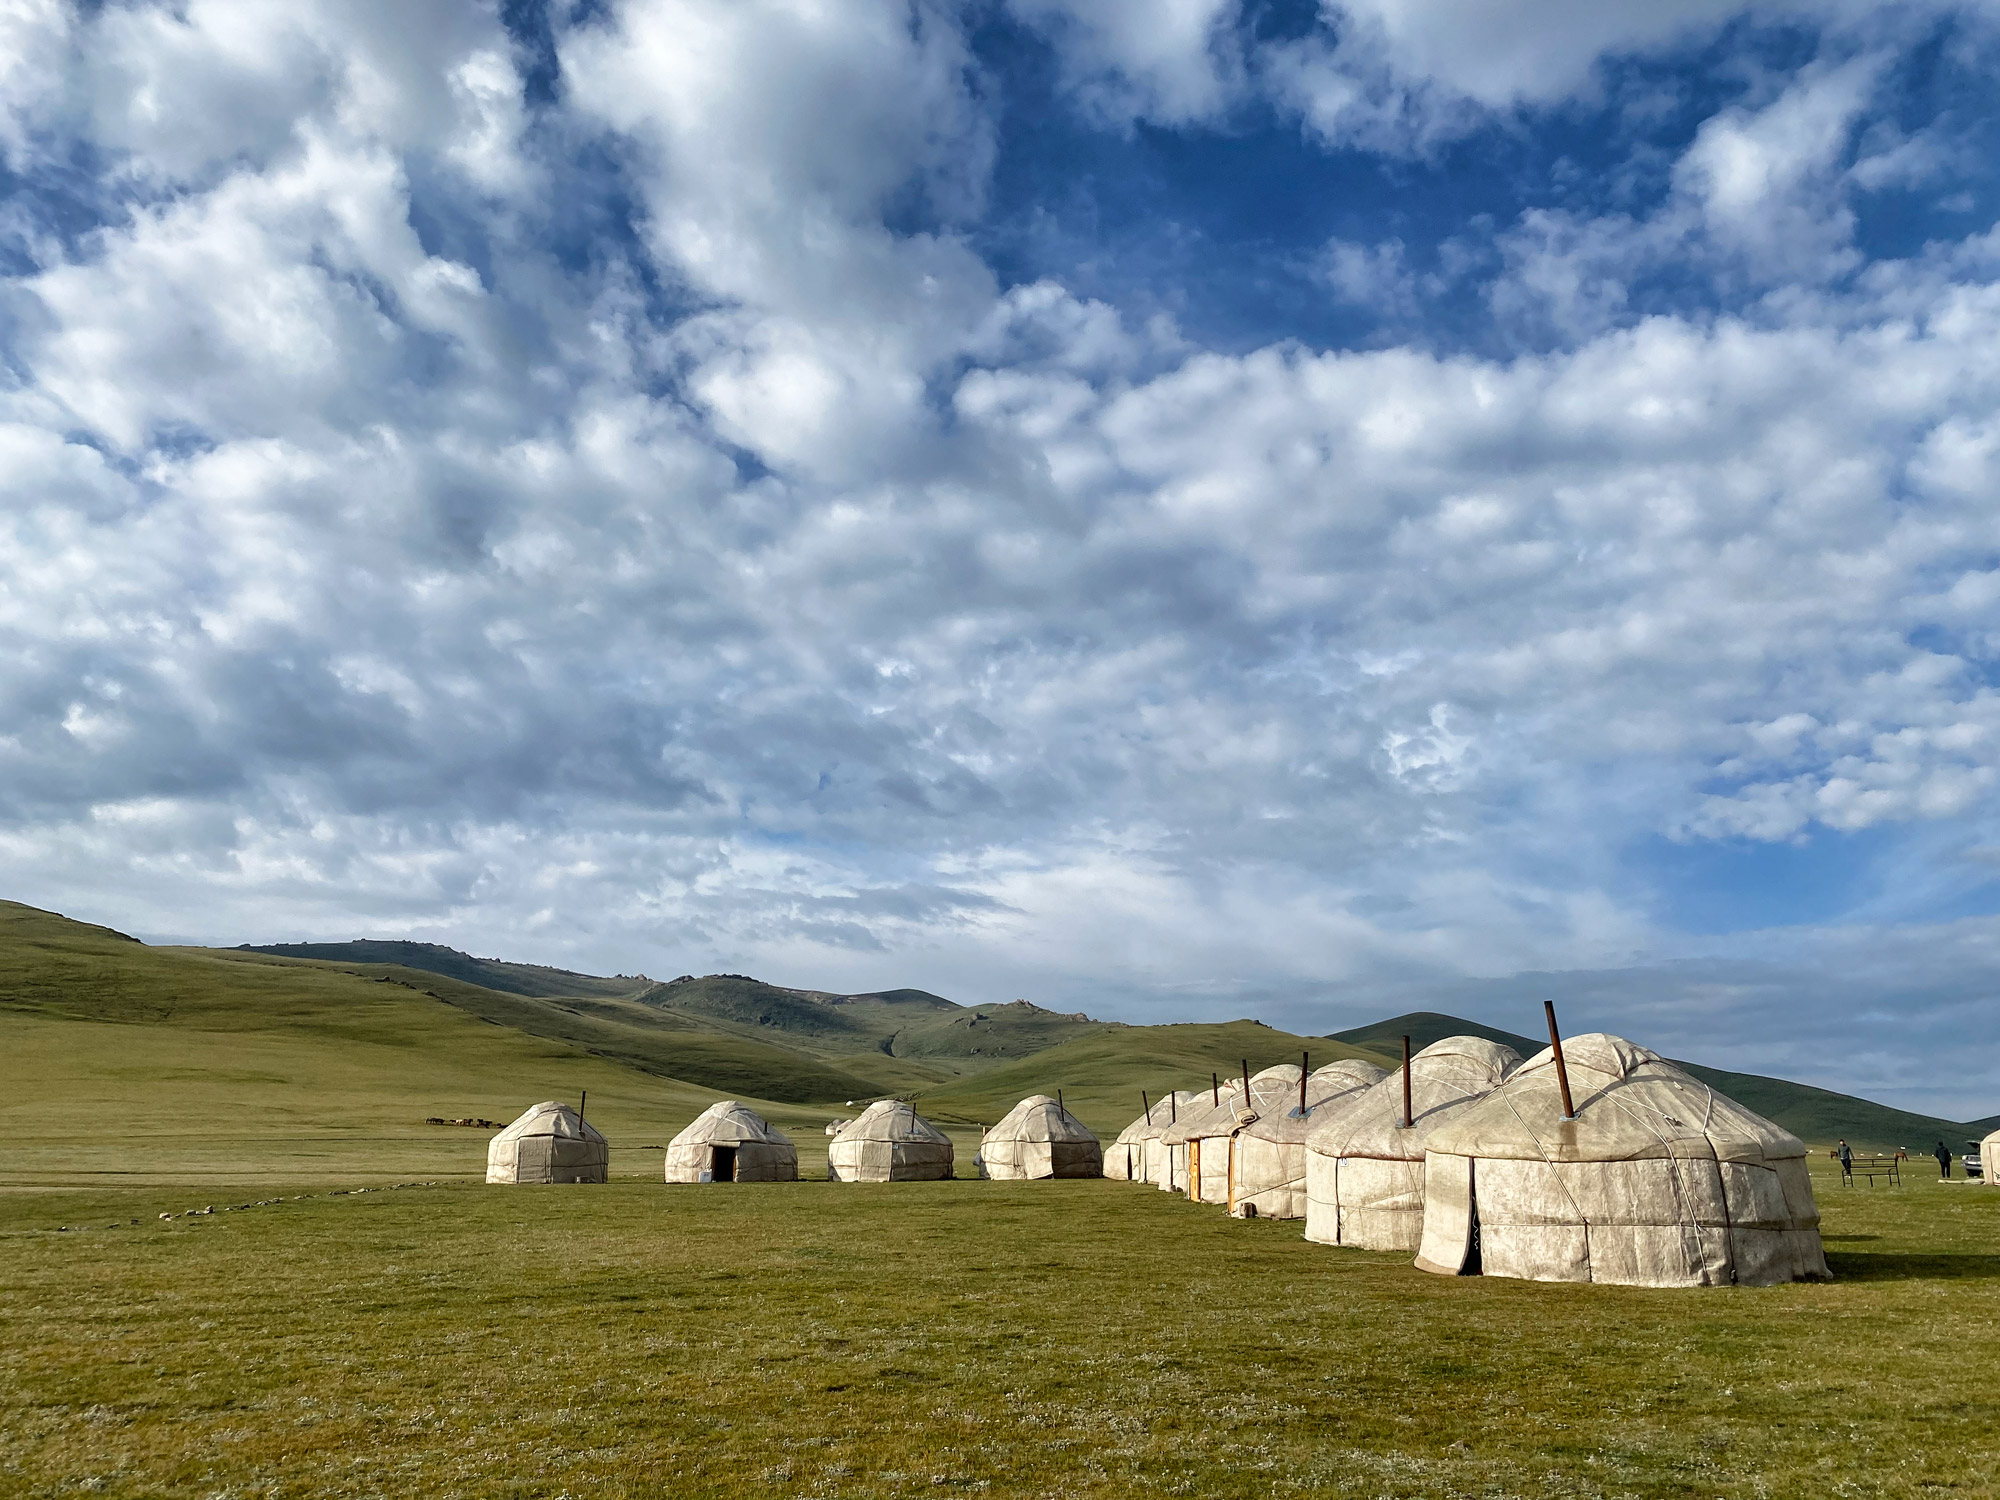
column 1872, row 1167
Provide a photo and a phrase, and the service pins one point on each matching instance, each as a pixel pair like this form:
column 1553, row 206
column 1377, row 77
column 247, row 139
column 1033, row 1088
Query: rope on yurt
column 1581, row 1217
column 1684, row 1199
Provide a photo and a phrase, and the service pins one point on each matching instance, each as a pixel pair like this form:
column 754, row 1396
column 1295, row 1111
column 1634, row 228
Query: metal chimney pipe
column 1556, row 1046
column 1408, row 1118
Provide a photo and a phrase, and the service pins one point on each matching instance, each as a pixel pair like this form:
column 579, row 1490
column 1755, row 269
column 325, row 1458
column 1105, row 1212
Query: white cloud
column 1172, row 62
column 1760, row 177
column 776, row 586
column 1499, row 56
column 772, row 138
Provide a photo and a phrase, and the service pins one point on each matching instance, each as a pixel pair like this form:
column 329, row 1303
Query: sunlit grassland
column 1078, row 1338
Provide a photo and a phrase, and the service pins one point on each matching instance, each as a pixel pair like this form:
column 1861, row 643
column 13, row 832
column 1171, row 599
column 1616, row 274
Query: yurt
column 1656, row 1180
column 1989, row 1160
column 730, row 1142
column 1166, row 1161
column 1214, row 1109
column 888, row 1142
column 1365, row 1168
column 1209, row 1142
column 550, row 1143
column 1039, row 1138
column 1267, row 1154
column 1125, row 1158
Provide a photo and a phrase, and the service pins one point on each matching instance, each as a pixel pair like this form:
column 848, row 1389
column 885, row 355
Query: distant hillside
column 126, row 1061
column 850, row 1022
column 434, row 958
column 1423, row 1027
column 1812, row 1114
column 293, row 1005
column 623, row 1030
column 1103, row 1072
column 992, row 1032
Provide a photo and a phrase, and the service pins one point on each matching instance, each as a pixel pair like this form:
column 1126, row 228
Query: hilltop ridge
column 434, row 958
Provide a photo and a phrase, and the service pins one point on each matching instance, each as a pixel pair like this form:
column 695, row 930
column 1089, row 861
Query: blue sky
column 1174, row 509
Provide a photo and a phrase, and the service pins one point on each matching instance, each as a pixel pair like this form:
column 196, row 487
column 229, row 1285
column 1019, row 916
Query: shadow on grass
column 1864, row 1266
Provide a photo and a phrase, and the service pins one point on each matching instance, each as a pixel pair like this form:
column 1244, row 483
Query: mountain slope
column 1426, row 1026
column 991, row 1033
column 625, row 1031
column 123, row 1062
column 434, row 958
column 1102, row 1073
column 1815, row 1115
column 846, row 1023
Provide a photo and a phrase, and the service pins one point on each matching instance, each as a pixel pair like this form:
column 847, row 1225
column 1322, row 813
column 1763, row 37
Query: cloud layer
column 587, row 493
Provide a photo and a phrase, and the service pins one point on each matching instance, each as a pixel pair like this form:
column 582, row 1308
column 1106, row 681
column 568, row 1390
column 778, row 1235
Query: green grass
column 1073, row 1339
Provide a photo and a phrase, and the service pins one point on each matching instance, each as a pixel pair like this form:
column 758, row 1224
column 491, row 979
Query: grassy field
column 430, row 1336
column 1072, row 1339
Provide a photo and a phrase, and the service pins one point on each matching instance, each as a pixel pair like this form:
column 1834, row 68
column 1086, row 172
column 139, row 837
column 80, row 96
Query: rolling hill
column 434, row 958
column 136, row 1058
column 125, row 1062
column 1102, row 1074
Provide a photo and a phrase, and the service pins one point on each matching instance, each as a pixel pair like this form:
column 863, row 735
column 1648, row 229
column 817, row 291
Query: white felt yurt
column 1657, row 1181
column 1166, row 1161
column 1267, row 1154
column 1213, row 1111
column 730, row 1142
column 1365, row 1168
column 1125, row 1158
column 1208, row 1144
column 1989, row 1160
column 1211, row 1149
column 888, row 1142
column 550, row 1143
column 1039, row 1138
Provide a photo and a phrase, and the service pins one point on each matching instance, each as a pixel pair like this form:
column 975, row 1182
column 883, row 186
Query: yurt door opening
column 722, row 1164
column 1451, row 1218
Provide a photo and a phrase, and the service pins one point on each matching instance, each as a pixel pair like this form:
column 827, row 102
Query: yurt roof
column 1278, row 1117
column 1445, row 1076
column 1164, row 1111
column 728, row 1122
column 1040, row 1118
column 1272, row 1090
column 1343, row 1074
column 553, row 1118
column 1631, row 1104
column 890, row 1120
column 1210, row 1105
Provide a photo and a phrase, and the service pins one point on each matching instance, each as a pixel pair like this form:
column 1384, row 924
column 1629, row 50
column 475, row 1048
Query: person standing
column 1944, row 1161
column 1846, row 1154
